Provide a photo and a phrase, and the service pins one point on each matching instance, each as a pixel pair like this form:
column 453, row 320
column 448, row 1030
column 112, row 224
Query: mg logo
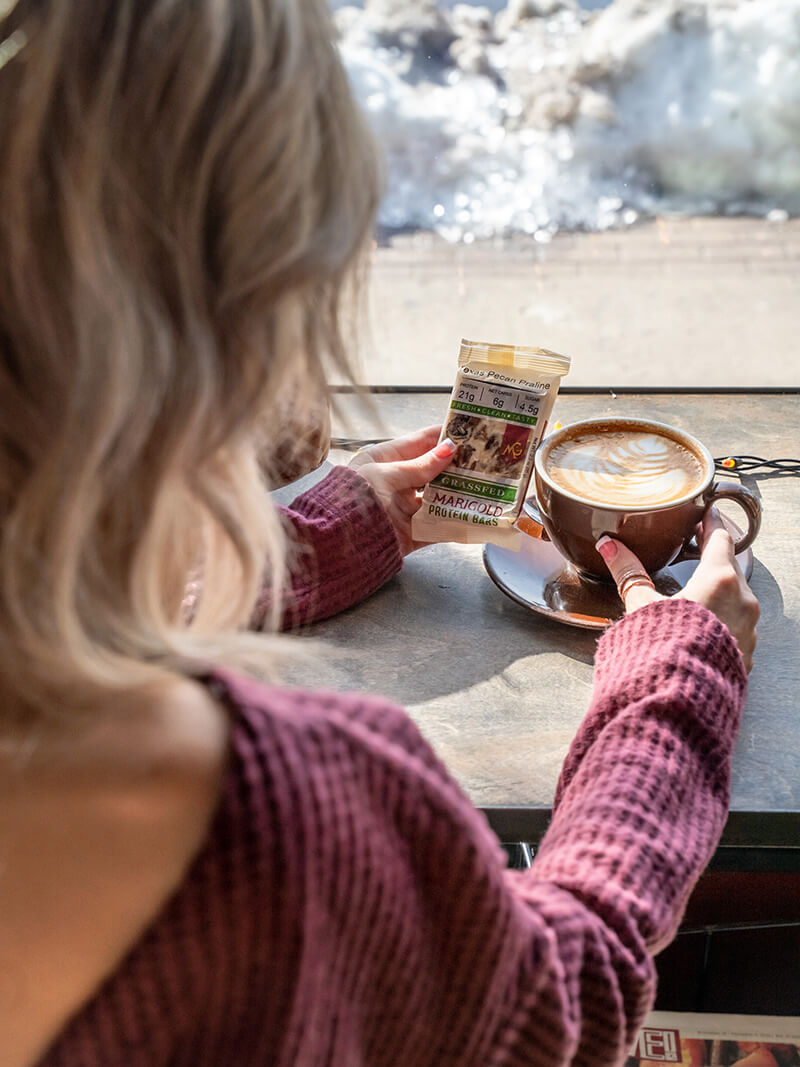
column 660, row 1046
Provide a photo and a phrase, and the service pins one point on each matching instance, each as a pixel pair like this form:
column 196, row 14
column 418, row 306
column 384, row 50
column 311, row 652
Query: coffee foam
column 632, row 465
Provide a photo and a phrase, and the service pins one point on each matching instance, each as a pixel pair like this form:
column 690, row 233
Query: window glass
column 616, row 181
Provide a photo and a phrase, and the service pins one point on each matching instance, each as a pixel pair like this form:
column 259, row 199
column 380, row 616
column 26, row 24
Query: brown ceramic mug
column 643, row 482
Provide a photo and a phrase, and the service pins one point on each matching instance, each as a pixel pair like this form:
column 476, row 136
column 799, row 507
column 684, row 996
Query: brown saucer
column 539, row 578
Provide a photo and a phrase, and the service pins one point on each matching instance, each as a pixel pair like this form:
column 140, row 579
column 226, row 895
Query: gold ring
column 630, row 581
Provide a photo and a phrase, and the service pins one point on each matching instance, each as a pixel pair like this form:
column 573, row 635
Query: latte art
column 630, row 466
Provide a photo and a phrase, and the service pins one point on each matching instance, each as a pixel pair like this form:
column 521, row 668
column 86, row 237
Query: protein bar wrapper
column 499, row 410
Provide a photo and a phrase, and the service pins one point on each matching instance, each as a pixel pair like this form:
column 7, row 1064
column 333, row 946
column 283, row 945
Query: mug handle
column 746, row 500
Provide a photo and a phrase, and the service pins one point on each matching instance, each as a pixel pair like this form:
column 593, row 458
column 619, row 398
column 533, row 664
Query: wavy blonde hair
column 185, row 189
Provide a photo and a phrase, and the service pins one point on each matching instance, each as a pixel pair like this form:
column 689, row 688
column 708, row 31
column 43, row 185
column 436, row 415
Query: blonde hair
column 185, row 189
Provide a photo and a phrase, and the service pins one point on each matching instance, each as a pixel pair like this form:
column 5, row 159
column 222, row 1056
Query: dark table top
column 499, row 690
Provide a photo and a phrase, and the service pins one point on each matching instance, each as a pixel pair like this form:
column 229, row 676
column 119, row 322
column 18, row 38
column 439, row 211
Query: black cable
column 745, row 464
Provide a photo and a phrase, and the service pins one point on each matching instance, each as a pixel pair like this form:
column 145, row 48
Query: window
column 616, row 181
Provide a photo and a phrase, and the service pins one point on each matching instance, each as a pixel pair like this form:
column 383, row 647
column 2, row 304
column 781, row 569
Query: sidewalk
column 674, row 302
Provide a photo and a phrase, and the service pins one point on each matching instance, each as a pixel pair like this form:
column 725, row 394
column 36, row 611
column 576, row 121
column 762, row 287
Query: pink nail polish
column 445, row 448
column 606, row 547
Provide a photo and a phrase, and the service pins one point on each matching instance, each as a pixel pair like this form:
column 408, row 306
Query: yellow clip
column 729, row 463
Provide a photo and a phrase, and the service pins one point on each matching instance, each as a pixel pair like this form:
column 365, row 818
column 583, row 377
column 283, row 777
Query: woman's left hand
column 397, row 469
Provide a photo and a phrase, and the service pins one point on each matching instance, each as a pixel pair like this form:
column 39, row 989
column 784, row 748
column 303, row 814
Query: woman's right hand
column 717, row 583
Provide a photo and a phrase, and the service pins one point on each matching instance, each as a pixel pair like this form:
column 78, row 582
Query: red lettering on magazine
column 659, row 1046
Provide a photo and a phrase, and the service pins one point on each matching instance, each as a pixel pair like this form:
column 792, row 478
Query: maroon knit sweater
column 350, row 907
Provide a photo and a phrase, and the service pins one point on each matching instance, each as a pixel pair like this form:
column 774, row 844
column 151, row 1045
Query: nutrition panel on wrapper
column 499, row 408
column 496, row 401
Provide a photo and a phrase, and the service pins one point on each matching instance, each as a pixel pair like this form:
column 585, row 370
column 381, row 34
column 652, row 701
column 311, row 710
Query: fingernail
column 607, row 548
column 444, row 448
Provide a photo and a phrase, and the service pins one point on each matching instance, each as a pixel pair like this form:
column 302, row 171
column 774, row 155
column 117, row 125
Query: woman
column 198, row 867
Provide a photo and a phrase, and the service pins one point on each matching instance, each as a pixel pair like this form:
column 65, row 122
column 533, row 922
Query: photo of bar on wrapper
column 499, row 410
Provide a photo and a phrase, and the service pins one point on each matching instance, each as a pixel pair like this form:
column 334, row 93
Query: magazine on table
column 701, row 1040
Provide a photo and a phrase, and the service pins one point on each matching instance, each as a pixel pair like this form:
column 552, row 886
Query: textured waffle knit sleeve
column 640, row 806
column 342, row 547
column 351, row 907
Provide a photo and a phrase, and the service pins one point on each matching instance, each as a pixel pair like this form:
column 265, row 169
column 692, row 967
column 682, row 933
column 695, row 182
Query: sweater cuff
column 343, row 547
column 680, row 654
column 633, row 656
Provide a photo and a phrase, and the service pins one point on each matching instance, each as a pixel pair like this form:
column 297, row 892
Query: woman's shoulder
column 112, row 812
column 323, row 723
column 318, row 762
column 216, row 798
